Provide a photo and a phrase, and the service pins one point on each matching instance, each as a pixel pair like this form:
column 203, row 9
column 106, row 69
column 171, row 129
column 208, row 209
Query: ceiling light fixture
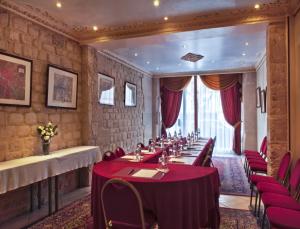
column 156, row 3
column 58, row 4
column 246, row 43
column 148, row 62
column 184, row 46
column 244, row 54
column 136, row 54
column 166, row 18
column 95, row 28
column 257, row 6
column 157, row 68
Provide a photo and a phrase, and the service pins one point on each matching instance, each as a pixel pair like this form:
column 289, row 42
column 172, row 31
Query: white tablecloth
column 24, row 171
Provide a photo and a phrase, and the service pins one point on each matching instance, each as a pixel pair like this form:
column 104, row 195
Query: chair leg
column 263, row 220
column 255, row 206
column 251, row 195
column 259, row 202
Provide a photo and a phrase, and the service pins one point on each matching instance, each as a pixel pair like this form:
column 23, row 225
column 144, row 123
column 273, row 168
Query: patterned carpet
column 77, row 216
column 232, row 175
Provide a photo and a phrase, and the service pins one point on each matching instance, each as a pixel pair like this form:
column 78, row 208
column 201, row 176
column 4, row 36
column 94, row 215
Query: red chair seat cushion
column 258, row 178
column 283, row 218
column 256, row 160
column 277, row 200
column 263, row 187
column 258, row 167
column 247, row 152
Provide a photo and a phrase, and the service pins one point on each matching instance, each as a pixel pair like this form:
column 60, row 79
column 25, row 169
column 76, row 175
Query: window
column 211, row 121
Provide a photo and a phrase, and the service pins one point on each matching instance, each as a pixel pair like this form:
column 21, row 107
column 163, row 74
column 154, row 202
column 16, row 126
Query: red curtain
column 231, row 104
column 170, row 107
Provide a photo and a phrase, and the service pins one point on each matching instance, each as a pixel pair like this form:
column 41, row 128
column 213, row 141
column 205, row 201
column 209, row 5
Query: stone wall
column 18, row 125
column 249, row 120
column 277, row 95
column 261, row 76
column 112, row 126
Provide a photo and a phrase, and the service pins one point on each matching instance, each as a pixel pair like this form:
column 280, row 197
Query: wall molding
column 228, row 71
column 269, row 12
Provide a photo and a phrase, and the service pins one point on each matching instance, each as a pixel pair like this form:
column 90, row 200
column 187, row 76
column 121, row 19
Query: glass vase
column 46, row 148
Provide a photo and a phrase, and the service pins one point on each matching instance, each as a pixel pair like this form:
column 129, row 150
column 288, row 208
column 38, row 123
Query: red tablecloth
column 187, row 197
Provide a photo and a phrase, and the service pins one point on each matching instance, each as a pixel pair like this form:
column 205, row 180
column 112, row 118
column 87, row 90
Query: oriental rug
column 232, row 175
column 77, row 216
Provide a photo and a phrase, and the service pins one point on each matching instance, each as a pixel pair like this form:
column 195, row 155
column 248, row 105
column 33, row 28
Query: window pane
column 211, row 121
column 186, row 121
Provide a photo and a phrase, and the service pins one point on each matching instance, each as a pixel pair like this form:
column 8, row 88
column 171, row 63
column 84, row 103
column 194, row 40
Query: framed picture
column 263, row 101
column 15, row 80
column 62, row 88
column 258, row 97
column 130, row 94
column 106, row 90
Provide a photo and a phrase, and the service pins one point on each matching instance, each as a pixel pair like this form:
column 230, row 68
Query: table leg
column 56, row 193
column 50, row 195
column 39, row 194
column 31, row 197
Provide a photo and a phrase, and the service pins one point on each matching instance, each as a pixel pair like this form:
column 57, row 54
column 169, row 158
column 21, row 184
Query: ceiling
column 105, row 13
column 125, row 26
column 223, row 49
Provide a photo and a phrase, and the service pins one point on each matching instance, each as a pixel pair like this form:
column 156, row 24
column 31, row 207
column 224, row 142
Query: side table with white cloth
column 33, row 169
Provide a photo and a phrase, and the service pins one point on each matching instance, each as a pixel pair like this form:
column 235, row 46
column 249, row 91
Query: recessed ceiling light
column 95, row 28
column 184, row 46
column 244, row 54
column 246, row 43
column 58, row 4
column 166, row 18
column 148, row 62
column 156, row 3
column 136, row 54
column 257, row 6
column 157, row 68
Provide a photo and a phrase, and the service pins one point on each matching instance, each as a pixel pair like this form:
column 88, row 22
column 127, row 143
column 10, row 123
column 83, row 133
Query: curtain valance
column 220, row 81
column 175, row 83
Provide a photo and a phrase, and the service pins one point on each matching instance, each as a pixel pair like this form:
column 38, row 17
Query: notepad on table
column 129, row 157
column 146, row 173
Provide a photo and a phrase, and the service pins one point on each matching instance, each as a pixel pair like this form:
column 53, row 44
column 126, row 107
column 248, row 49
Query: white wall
column 261, row 74
column 249, row 116
column 147, row 113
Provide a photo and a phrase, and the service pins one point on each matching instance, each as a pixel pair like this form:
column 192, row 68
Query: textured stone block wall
column 114, row 126
column 277, row 95
column 18, row 135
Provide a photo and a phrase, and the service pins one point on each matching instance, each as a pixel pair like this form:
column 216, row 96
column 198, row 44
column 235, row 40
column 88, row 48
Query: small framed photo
column 258, row 97
column 62, row 88
column 106, row 90
column 130, row 94
column 263, row 101
column 15, row 80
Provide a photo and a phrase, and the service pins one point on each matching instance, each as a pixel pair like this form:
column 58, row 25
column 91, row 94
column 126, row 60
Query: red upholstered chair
column 122, row 206
column 276, row 195
column 141, row 145
column 280, row 179
column 250, row 154
column 282, row 218
column 109, row 156
column 119, row 152
column 204, row 152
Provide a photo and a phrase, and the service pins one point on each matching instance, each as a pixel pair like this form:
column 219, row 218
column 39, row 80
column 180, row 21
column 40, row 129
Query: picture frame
column 106, row 90
column 62, row 88
column 15, row 80
column 130, row 95
column 258, row 97
column 263, row 101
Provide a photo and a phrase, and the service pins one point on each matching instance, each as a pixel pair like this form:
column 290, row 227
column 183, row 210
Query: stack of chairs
column 256, row 162
column 281, row 204
column 204, row 158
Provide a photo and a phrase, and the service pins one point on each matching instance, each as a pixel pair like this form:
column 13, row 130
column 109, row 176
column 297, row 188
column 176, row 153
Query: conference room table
column 186, row 197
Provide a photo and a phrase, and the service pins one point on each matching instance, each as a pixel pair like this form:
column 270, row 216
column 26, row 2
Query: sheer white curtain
column 211, row 121
column 186, row 120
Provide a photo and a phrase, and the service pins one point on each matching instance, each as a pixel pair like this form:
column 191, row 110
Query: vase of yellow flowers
column 47, row 132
